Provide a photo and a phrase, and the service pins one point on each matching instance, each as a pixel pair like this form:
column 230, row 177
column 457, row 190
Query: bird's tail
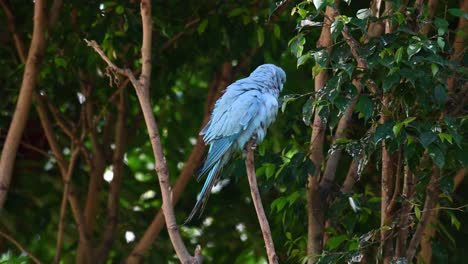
column 210, row 181
column 219, row 153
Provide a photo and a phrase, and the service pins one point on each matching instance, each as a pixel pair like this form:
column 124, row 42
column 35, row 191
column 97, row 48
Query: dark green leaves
column 365, row 107
column 297, row 45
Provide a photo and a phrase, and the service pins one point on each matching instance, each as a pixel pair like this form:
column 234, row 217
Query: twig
column 250, row 167
column 63, row 206
column 20, row 247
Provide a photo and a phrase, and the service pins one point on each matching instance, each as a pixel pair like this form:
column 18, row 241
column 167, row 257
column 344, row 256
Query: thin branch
column 403, row 225
column 262, row 219
column 20, row 247
column 19, row 44
column 118, row 168
column 63, row 206
column 350, row 177
column 396, row 190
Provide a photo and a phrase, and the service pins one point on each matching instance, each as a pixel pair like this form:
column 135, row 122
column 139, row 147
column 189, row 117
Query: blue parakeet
column 247, row 107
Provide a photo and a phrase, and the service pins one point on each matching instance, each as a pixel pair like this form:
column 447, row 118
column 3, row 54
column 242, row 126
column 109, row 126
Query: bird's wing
column 233, row 111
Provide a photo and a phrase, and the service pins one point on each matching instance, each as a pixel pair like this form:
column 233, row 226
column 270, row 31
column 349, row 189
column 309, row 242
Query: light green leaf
column 201, row 28
column 260, row 36
column 335, row 241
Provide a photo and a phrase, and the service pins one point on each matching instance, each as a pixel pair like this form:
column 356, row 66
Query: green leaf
column 303, row 59
column 279, row 203
column 260, row 36
column 201, row 28
column 446, row 137
column 457, row 12
column 321, row 57
column 408, row 120
column 390, row 81
column 440, row 94
column 417, row 212
column 307, row 111
column 427, row 138
column 297, row 45
column 442, row 25
column 399, row 54
column 365, row 107
column 60, row 62
column 454, row 220
column 302, row 12
column 413, row 49
column 120, row 9
column 237, row 12
column 335, row 241
column 269, row 169
column 336, row 28
column 441, row 42
column 277, row 31
column 396, row 128
column 383, row 132
column 437, row 155
column 434, row 69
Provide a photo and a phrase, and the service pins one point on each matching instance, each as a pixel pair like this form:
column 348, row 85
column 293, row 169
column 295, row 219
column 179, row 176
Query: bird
column 246, row 109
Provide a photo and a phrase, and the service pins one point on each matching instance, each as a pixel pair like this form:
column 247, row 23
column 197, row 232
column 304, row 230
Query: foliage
column 192, row 40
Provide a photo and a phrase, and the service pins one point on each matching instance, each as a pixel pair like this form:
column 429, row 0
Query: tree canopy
column 366, row 161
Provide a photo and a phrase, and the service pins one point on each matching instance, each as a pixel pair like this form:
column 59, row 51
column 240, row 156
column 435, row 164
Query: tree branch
column 63, row 206
column 20, row 247
column 192, row 163
column 315, row 213
column 117, row 167
column 23, row 105
column 143, row 93
column 262, row 219
column 408, row 194
column 432, row 192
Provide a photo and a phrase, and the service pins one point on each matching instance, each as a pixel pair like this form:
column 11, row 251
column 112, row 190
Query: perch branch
column 250, row 167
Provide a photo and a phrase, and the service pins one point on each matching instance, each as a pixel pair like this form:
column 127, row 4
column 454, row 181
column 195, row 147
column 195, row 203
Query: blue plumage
column 247, row 107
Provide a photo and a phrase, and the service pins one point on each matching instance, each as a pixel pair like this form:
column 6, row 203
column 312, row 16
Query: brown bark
column 315, row 212
column 403, row 225
column 432, row 193
column 432, row 6
column 142, row 88
column 20, row 116
column 257, row 201
column 63, row 206
column 110, row 230
column 458, row 46
column 425, row 254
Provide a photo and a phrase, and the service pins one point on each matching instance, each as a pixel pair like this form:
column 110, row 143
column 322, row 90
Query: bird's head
column 272, row 71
